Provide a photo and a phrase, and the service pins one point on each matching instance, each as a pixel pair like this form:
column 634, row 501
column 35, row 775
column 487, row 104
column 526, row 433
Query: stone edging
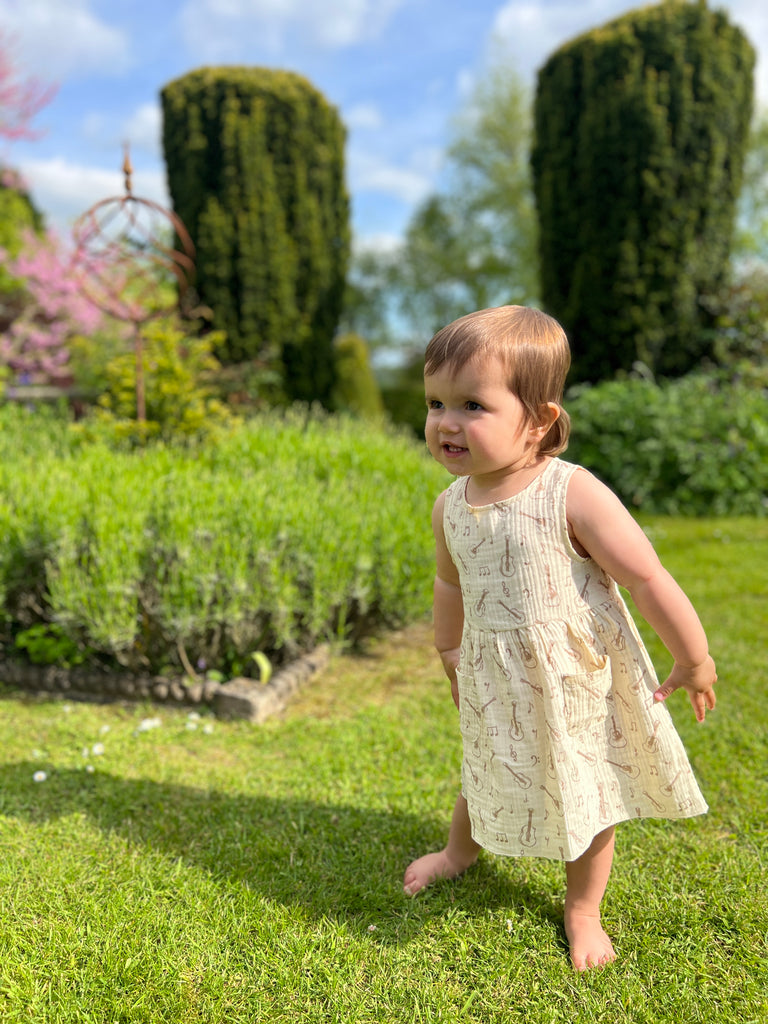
column 238, row 698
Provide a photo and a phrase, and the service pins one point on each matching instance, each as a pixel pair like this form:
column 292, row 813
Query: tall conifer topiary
column 641, row 128
column 255, row 163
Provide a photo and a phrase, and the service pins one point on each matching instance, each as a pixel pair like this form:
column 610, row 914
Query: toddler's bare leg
column 587, row 878
column 460, row 854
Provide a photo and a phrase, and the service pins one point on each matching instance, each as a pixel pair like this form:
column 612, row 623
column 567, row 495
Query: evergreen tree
column 641, row 128
column 255, row 162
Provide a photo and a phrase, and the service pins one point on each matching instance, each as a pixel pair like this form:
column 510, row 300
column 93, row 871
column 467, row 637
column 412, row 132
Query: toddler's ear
column 548, row 413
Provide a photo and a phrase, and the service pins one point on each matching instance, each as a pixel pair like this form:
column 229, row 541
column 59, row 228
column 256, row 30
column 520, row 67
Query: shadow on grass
column 340, row 863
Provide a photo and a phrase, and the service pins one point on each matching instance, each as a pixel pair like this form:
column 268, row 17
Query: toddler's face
column 475, row 425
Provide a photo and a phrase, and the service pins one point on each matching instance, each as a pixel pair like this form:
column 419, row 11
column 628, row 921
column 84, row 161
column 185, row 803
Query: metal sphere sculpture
column 126, row 250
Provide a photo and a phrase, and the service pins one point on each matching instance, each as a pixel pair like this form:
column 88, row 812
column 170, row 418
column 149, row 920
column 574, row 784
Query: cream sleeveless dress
column 561, row 734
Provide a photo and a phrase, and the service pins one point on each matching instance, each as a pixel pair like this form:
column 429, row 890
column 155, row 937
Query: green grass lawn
column 201, row 871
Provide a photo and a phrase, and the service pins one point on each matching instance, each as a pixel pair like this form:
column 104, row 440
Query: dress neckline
column 512, row 498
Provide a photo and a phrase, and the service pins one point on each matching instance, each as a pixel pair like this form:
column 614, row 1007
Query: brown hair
column 533, row 349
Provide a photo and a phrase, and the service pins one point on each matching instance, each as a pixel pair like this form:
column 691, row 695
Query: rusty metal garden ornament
column 124, row 261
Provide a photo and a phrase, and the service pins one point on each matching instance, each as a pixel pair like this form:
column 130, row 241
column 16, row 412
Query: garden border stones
column 239, row 698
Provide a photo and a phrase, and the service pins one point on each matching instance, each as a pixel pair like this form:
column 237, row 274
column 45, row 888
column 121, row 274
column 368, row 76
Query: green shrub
column 694, row 446
column 356, row 389
column 179, row 401
column 18, row 215
column 402, row 391
column 289, row 530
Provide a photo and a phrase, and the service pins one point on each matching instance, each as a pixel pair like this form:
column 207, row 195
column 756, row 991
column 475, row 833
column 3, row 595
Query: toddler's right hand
column 450, row 660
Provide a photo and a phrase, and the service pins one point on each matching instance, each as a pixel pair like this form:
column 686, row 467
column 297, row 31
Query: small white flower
column 98, row 749
column 148, row 723
column 37, row 754
column 510, row 925
column 208, row 728
column 373, row 927
column 193, row 716
column 39, row 777
column 89, row 768
column 191, row 726
column 104, row 730
column 85, row 752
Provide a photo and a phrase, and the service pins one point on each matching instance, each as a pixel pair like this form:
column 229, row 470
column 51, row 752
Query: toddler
column 564, row 728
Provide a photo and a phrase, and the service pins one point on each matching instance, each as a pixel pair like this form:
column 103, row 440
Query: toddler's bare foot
column 426, row 869
column 589, row 944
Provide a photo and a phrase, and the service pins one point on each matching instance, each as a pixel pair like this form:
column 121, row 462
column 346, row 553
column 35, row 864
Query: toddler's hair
column 533, row 349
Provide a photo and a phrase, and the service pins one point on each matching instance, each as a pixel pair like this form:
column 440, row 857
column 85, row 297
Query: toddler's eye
column 433, row 403
column 473, row 406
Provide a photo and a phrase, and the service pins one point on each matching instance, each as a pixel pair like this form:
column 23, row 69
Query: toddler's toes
column 589, row 944
column 425, row 870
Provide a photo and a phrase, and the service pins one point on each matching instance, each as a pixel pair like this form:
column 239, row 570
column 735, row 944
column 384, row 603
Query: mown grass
column 225, row 872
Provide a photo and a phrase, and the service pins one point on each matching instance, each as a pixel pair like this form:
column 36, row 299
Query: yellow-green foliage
column 17, row 215
column 356, row 388
column 179, row 401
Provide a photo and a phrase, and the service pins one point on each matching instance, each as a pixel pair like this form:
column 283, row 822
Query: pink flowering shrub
column 36, row 345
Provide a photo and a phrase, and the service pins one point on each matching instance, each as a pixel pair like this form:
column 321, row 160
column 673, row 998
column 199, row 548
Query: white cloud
column 56, row 40
column 65, row 190
column 230, row 29
column 141, row 131
column 363, row 116
column 143, row 128
column 533, row 29
column 368, row 173
column 752, row 17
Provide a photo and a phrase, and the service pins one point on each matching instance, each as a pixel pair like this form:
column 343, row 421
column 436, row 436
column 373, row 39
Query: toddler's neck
column 486, row 491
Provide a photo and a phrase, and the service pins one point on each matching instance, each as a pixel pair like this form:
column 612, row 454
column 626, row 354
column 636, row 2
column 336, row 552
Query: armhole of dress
column 563, row 506
column 448, row 506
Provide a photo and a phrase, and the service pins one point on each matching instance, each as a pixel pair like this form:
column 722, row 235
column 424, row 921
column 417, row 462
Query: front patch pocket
column 584, row 698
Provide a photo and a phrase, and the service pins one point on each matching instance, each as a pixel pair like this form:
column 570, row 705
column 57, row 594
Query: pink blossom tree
column 21, row 97
column 36, row 345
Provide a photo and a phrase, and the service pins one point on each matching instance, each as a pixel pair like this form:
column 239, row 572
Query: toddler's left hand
column 697, row 681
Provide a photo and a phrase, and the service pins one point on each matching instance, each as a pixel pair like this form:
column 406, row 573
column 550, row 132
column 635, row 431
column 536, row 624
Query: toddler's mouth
column 453, row 449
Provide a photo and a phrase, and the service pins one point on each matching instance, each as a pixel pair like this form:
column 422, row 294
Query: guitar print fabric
column 561, row 734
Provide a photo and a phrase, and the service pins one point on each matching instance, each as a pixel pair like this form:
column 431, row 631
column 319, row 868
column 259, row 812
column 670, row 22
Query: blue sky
column 397, row 70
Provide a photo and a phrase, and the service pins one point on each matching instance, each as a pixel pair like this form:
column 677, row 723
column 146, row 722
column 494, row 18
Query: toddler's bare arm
column 602, row 527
